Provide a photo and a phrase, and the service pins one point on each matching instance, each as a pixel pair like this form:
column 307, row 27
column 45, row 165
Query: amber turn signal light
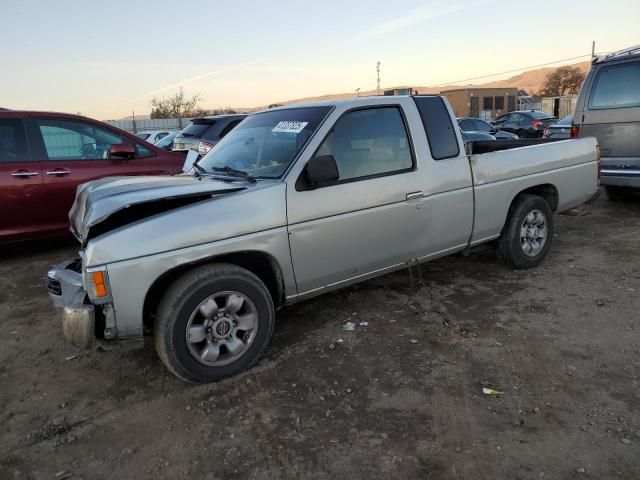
column 99, row 283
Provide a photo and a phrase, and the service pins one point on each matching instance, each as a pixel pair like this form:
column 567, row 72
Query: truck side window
column 437, row 124
column 369, row 142
column 13, row 143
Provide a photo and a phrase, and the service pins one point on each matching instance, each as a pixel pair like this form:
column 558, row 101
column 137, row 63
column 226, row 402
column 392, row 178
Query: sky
column 107, row 58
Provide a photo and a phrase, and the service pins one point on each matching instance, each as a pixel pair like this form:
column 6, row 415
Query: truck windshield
column 264, row 144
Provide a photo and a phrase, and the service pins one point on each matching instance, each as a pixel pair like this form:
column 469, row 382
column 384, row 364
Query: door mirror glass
column 322, row 169
column 122, row 151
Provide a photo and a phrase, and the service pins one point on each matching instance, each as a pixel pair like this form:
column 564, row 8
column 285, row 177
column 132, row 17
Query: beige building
column 485, row 103
column 559, row 107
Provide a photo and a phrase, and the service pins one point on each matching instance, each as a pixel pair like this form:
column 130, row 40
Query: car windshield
column 264, row 144
column 566, row 120
column 143, row 136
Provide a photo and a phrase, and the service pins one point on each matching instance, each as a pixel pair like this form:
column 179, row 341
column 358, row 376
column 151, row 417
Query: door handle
column 24, row 174
column 58, row 172
column 414, row 195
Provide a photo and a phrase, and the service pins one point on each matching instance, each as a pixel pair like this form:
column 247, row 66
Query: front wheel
column 528, row 233
column 213, row 322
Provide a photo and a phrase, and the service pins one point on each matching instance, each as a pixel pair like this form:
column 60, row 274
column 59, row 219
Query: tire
column 522, row 134
column 617, row 194
column 211, row 302
column 523, row 230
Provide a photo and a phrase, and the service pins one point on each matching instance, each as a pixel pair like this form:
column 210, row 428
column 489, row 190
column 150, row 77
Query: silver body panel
column 328, row 237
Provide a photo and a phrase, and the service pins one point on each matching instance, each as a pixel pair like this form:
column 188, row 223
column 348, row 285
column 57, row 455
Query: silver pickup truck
column 293, row 203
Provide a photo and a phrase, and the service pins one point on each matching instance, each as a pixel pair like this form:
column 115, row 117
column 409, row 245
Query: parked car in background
column 44, row 156
column 469, row 125
column 205, row 132
column 152, row 136
column 303, row 200
column 608, row 108
column 525, row 123
column 166, row 143
column 558, row 130
column 475, row 136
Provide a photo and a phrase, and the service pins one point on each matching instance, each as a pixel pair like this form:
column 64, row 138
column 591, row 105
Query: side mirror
column 322, row 169
column 122, row 151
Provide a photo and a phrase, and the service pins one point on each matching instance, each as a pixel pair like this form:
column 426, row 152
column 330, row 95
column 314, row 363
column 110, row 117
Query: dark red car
column 44, row 156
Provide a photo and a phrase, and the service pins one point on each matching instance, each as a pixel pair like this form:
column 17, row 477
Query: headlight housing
column 96, row 283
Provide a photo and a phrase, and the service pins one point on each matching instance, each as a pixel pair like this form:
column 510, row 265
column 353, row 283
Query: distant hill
column 531, row 80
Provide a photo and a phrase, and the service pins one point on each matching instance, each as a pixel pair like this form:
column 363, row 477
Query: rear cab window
column 616, row 86
column 436, row 120
column 13, row 141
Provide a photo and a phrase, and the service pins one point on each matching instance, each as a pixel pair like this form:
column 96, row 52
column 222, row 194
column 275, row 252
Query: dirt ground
column 398, row 398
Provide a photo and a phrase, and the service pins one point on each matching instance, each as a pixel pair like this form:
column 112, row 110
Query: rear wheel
column 522, row 134
column 528, row 233
column 214, row 322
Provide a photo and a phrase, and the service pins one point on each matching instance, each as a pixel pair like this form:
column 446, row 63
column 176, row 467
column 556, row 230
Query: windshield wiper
column 234, row 173
column 198, row 168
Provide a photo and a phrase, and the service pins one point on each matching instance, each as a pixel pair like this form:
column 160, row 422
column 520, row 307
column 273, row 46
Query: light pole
column 378, row 70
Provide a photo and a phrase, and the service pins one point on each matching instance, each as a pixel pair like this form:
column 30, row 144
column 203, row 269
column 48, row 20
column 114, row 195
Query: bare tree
column 176, row 106
column 562, row 81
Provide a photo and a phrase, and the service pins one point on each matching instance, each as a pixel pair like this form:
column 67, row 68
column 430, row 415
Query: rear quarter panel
column 570, row 166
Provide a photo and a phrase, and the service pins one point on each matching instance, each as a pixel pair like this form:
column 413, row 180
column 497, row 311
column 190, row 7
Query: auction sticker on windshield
column 289, row 127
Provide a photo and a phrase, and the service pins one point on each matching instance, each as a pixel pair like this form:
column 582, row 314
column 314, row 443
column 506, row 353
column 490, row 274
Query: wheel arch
column 547, row 191
column 260, row 263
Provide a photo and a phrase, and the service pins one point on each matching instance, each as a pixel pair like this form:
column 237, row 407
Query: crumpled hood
column 100, row 200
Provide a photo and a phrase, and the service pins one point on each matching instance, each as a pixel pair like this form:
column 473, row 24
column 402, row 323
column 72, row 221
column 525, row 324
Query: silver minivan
column 608, row 108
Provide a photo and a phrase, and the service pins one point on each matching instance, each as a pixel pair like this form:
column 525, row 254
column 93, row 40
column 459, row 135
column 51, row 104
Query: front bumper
column 64, row 283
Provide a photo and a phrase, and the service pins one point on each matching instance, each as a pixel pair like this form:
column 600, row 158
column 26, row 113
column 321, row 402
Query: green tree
column 562, row 81
column 175, row 106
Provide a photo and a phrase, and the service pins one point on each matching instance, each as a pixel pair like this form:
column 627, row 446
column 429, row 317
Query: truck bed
column 485, row 146
column 567, row 167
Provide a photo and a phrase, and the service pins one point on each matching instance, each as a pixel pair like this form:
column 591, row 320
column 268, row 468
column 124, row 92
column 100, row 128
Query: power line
column 508, row 71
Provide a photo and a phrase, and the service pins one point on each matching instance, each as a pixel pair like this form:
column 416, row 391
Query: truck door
column 366, row 221
column 392, row 203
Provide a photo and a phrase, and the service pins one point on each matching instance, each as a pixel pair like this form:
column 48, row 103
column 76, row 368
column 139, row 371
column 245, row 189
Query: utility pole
column 133, row 118
column 593, row 50
column 378, row 70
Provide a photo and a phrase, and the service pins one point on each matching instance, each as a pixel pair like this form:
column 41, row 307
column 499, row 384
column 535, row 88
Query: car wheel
column 527, row 235
column 522, row 134
column 617, row 194
column 213, row 322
